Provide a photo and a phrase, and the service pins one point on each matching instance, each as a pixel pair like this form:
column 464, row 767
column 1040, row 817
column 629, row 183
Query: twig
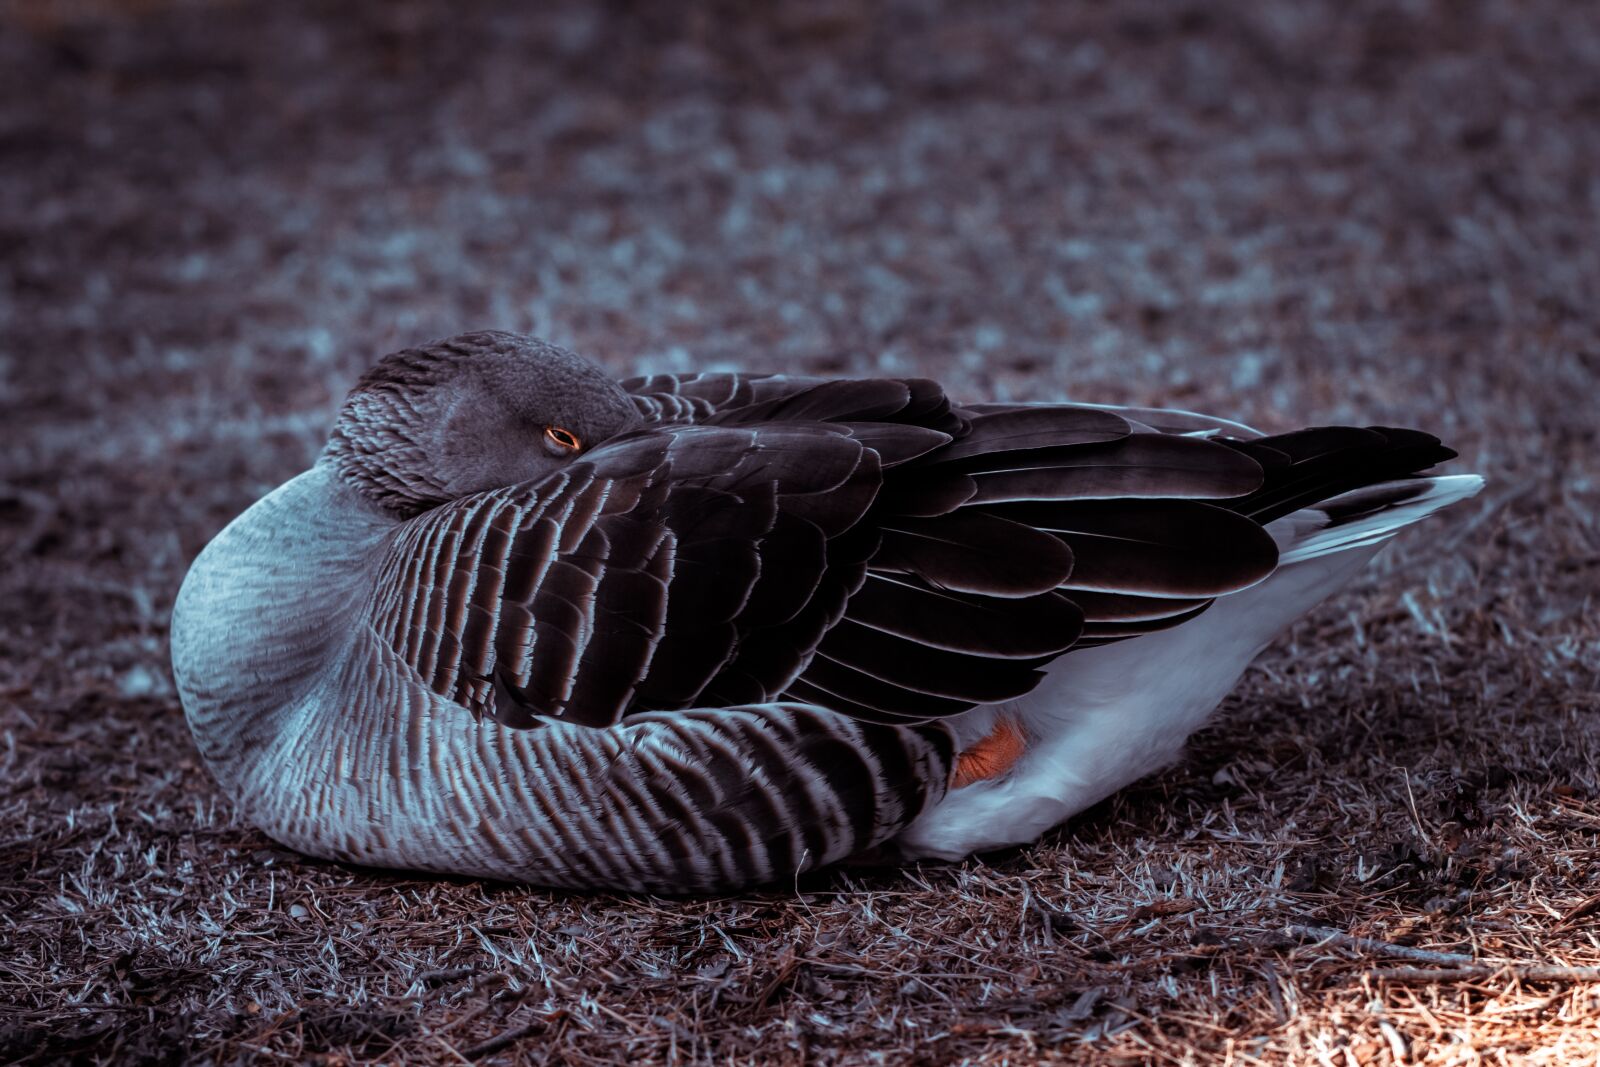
column 1583, row 910
column 1329, row 936
column 1280, row 1010
column 1397, row 1044
column 1455, row 966
column 443, row 975
column 1533, row 972
column 503, row 1039
column 787, row 963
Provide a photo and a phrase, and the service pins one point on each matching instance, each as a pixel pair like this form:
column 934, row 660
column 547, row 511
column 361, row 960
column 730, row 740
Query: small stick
column 1397, row 1044
column 443, row 975
column 1329, row 936
column 1535, row 972
column 1274, row 987
column 503, row 1039
column 1582, row 910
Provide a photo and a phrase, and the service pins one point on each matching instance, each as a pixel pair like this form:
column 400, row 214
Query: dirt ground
column 213, row 215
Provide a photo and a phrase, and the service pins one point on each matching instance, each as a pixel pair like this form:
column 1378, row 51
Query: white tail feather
column 1369, row 515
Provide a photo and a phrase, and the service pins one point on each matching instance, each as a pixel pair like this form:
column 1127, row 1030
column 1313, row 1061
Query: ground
column 213, row 215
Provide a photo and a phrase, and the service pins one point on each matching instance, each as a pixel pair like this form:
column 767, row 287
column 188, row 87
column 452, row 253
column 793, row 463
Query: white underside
column 1105, row 717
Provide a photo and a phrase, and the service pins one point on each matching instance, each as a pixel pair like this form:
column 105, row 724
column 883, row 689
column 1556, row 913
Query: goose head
column 474, row 412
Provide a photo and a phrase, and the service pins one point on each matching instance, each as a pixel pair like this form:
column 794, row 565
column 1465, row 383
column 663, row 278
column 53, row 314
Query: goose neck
column 266, row 607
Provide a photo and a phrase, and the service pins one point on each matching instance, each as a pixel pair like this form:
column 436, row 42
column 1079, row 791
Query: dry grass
column 214, row 214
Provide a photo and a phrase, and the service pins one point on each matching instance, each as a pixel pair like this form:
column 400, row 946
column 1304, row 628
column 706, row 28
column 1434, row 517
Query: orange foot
column 992, row 756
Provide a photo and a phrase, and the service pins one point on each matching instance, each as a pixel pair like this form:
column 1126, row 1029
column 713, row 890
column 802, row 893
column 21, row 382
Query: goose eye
column 563, row 440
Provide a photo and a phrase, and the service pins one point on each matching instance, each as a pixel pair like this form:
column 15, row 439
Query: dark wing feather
column 1142, row 465
column 900, row 703
column 1160, row 548
column 973, row 551
column 1100, row 633
column 1307, row 466
column 794, row 555
column 1127, row 607
column 858, row 400
column 1161, row 420
column 926, row 493
column 1012, row 434
column 1025, row 628
column 628, row 616
column 921, row 668
column 895, row 443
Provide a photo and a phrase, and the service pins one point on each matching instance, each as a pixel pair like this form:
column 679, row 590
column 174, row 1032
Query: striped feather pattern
column 668, row 803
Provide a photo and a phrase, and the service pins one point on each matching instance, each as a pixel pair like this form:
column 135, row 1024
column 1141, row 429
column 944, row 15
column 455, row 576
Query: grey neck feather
column 266, row 607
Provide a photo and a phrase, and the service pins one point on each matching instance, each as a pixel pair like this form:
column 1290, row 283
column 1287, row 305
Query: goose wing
column 858, row 545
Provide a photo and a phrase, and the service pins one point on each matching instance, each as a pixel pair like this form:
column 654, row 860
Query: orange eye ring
column 563, row 439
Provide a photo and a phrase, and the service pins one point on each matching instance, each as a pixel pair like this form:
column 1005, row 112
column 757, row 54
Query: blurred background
column 213, row 215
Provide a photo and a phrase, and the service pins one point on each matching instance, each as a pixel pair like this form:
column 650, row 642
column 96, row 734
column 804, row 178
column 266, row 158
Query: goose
column 689, row 633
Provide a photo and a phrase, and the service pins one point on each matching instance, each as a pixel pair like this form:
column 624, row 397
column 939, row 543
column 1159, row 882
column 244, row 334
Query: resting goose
column 693, row 632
